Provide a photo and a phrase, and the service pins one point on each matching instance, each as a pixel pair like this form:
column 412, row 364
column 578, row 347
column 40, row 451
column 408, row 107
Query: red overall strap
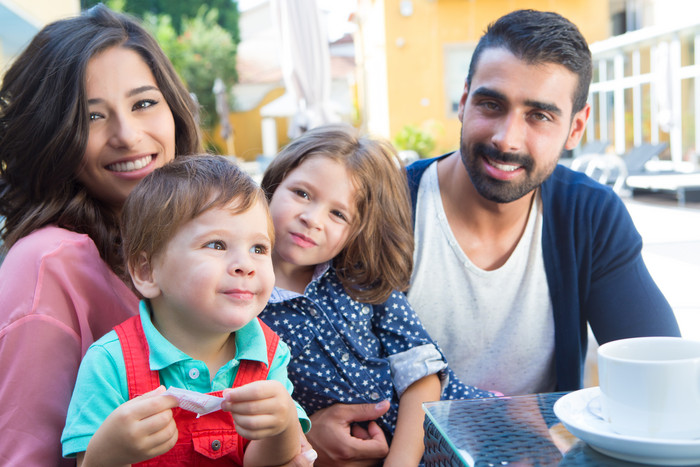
column 203, row 441
column 251, row 370
column 139, row 376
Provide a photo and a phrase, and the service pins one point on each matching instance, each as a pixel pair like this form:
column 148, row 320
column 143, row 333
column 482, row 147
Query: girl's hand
column 260, row 409
column 137, row 430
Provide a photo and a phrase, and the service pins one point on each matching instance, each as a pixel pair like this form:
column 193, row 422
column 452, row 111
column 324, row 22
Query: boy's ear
column 142, row 277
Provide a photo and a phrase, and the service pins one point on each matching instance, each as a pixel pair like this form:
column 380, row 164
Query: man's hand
column 339, row 442
column 137, row 430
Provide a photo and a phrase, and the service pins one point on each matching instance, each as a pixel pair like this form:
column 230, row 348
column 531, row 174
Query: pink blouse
column 57, row 296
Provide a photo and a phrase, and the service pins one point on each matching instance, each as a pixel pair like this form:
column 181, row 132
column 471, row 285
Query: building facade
column 413, row 56
column 20, row 20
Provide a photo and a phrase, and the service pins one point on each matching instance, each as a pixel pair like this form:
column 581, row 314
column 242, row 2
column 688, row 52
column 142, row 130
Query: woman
column 87, row 110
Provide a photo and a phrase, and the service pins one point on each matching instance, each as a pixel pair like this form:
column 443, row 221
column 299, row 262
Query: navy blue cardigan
column 595, row 272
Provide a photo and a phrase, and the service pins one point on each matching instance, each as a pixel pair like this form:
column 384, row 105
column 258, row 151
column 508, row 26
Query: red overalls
column 207, row 440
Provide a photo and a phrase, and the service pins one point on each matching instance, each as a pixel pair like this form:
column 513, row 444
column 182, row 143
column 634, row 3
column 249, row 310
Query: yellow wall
column 414, row 51
column 247, row 128
column 46, row 11
column 38, row 13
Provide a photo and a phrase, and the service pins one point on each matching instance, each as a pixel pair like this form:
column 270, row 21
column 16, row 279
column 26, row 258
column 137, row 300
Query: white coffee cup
column 650, row 387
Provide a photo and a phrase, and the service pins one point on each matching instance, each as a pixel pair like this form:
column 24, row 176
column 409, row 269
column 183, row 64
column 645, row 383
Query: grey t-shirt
column 496, row 328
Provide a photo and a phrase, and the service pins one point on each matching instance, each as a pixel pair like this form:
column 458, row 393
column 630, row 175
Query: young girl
column 343, row 251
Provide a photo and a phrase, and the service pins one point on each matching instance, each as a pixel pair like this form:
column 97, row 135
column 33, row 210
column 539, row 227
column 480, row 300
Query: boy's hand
column 137, row 430
column 260, row 409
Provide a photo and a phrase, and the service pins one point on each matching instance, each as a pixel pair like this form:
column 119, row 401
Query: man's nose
column 509, row 133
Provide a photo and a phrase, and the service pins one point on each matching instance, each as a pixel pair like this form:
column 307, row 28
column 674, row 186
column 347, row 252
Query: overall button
column 216, row 445
column 365, row 310
column 194, row 373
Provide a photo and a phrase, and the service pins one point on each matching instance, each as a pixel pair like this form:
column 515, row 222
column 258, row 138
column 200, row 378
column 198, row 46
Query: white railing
column 646, row 89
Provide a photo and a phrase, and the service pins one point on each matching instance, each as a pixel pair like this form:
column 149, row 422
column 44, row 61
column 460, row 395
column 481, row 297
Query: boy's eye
column 216, row 245
column 259, row 249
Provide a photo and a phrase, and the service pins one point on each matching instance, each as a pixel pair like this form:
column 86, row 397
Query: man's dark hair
column 540, row 37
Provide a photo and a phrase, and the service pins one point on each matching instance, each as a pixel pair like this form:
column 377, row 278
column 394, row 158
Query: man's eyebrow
column 487, row 92
column 131, row 93
column 544, row 106
column 492, row 93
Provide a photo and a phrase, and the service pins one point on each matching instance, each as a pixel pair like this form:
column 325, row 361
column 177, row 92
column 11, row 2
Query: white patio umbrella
column 305, row 60
column 222, row 110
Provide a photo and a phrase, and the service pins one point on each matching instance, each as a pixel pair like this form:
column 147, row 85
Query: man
column 515, row 254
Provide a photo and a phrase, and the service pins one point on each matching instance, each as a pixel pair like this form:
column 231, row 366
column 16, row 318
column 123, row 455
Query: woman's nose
column 125, row 132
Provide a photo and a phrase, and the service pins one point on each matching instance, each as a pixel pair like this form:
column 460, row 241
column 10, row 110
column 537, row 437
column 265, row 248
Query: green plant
column 413, row 138
column 203, row 52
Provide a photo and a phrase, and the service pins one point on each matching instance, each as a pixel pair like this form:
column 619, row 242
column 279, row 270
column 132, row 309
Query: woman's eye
column 144, row 103
column 302, row 194
column 95, row 116
column 216, row 245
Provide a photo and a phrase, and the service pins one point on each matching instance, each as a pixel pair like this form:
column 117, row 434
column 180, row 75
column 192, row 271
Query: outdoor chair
column 641, row 178
column 600, row 165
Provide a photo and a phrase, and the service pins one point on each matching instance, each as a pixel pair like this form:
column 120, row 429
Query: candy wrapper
column 193, row 401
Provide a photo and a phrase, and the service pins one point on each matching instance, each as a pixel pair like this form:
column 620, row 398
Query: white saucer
column 572, row 410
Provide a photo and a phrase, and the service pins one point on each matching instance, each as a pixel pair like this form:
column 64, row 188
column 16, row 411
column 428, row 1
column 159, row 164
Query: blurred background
column 264, row 70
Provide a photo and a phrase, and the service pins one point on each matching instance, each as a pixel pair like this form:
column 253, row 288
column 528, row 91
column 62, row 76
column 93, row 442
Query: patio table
column 521, row 431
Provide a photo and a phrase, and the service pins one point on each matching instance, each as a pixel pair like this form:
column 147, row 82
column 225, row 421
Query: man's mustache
column 484, row 150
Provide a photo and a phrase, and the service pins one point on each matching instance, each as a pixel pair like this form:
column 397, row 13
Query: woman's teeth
column 131, row 165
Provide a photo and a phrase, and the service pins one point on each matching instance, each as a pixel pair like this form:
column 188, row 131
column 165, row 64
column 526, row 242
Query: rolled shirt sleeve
column 417, row 363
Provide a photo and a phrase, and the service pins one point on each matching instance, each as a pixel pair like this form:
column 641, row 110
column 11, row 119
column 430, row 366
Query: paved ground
column 671, row 251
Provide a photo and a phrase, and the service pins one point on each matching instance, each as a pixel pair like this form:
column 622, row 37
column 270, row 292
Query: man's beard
column 502, row 191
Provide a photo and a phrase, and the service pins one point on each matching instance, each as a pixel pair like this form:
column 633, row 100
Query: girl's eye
column 259, row 249
column 144, row 104
column 216, row 245
column 339, row 215
column 95, row 116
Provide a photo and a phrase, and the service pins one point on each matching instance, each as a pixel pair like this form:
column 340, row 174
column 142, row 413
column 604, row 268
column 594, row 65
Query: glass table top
column 508, row 431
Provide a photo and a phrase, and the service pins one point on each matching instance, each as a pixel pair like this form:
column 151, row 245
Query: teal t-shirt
column 101, row 385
